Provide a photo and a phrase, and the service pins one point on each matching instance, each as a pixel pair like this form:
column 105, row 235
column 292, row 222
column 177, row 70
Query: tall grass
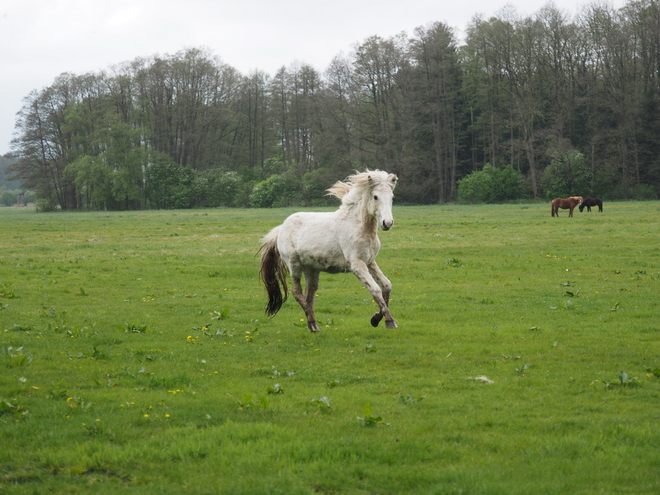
column 135, row 356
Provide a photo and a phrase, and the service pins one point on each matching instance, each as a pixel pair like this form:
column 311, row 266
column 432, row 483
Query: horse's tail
column 273, row 273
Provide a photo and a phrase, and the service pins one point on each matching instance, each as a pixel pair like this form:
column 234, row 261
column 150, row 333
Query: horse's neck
column 365, row 225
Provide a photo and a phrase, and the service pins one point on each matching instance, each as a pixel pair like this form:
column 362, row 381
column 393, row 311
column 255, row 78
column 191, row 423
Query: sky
column 41, row 39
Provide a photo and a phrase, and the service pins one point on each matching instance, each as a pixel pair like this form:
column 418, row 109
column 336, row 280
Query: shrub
column 169, row 185
column 314, row 185
column 45, row 205
column 276, row 191
column 508, row 184
column 476, row 188
column 567, row 175
column 7, row 196
column 217, row 187
column 645, row 192
column 491, row 185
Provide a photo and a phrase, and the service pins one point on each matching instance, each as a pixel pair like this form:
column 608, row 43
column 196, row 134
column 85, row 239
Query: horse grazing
column 345, row 240
column 565, row 204
column 589, row 202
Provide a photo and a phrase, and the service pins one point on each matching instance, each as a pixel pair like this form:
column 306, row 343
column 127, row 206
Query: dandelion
column 146, row 415
column 167, row 415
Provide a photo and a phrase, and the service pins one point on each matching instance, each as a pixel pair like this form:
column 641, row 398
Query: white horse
column 345, row 240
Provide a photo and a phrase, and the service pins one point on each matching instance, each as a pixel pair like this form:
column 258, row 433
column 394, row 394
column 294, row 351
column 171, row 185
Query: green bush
column 277, row 191
column 314, row 185
column 645, row 192
column 45, row 205
column 491, row 185
column 216, row 187
column 567, row 175
column 169, row 185
column 509, row 184
column 7, row 196
column 476, row 188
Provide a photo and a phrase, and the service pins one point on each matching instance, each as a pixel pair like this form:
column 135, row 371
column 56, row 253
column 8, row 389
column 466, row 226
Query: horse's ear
column 392, row 178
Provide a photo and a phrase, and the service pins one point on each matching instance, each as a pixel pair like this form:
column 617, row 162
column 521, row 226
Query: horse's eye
column 375, row 198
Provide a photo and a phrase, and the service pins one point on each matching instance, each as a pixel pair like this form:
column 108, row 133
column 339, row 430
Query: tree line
column 550, row 104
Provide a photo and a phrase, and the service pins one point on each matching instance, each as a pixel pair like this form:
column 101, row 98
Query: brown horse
column 565, row 204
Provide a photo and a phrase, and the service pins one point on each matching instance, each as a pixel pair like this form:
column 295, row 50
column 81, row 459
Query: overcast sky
column 40, row 39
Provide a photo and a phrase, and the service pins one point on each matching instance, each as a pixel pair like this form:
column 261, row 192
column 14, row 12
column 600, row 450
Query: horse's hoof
column 391, row 324
column 313, row 327
column 375, row 319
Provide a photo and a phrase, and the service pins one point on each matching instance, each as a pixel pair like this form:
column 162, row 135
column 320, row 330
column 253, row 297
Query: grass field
column 135, row 357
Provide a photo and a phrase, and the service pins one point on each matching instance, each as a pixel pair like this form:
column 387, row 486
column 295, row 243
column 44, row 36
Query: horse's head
column 373, row 190
column 381, row 196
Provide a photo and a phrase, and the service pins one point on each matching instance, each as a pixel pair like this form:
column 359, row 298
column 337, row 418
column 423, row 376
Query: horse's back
column 311, row 239
column 305, row 226
column 326, row 241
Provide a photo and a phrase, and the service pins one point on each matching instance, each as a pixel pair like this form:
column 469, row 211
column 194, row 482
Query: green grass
column 135, row 357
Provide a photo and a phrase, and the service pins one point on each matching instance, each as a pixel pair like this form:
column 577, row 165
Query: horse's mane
column 349, row 191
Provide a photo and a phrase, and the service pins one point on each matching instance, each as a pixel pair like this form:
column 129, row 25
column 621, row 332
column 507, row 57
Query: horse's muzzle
column 387, row 224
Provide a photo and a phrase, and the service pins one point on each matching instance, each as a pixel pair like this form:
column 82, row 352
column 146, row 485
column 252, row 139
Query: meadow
column 135, row 357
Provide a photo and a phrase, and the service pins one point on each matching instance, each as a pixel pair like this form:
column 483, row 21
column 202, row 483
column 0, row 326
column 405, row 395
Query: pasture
column 135, row 357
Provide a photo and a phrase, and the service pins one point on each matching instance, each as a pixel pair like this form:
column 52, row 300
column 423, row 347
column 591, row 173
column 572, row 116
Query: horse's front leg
column 296, row 290
column 380, row 290
column 386, row 288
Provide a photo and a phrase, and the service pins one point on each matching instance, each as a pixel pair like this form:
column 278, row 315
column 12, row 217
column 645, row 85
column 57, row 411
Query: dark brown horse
column 565, row 204
column 589, row 202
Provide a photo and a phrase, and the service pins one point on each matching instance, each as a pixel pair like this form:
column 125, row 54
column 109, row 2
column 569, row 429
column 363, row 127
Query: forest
column 525, row 107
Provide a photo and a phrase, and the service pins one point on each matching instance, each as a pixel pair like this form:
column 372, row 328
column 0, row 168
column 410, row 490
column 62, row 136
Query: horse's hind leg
column 296, row 290
column 311, row 286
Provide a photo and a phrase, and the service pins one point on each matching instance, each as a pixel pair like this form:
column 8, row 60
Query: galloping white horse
column 345, row 240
